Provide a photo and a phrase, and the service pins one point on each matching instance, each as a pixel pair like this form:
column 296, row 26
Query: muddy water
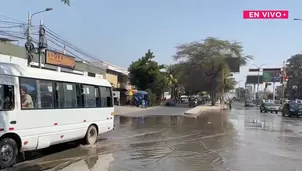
column 240, row 140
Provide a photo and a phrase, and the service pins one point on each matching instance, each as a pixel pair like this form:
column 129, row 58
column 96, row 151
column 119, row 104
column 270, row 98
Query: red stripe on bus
column 11, row 129
column 1, row 129
column 55, row 124
column 84, row 120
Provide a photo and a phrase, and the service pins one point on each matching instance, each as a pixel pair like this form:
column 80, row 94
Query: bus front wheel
column 8, row 153
column 91, row 135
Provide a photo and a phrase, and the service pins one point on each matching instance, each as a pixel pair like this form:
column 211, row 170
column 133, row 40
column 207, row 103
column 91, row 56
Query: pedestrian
column 230, row 104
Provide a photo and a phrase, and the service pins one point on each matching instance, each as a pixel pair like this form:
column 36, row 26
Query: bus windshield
column 6, row 97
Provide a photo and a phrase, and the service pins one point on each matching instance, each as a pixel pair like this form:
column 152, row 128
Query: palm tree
column 171, row 75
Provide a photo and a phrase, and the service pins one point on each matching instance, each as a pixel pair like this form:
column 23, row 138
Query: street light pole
column 259, row 68
column 239, row 90
column 28, row 44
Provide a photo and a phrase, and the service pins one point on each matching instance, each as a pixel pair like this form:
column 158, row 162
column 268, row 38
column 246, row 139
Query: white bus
column 40, row 108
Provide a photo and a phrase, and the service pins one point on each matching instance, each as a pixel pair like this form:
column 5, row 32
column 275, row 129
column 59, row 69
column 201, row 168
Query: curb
column 198, row 110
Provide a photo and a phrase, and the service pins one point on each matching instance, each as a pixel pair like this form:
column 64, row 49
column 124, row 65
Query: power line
column 52, row 37
column 68, row 44
column 10, row 22
column 11, row 18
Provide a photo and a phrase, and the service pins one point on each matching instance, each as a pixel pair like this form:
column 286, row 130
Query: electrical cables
column 16, row 29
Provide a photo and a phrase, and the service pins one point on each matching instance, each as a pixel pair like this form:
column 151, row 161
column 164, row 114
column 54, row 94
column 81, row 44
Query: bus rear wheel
column 91, row 135
column 8, row 153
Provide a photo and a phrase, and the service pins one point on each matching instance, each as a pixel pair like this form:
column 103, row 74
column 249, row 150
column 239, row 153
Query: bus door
column 8, row 108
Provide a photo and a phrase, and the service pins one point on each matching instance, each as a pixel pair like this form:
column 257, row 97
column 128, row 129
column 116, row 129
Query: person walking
column 230, row 104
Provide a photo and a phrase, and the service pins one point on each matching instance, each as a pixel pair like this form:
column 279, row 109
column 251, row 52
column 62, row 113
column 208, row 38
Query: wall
column 112, row 78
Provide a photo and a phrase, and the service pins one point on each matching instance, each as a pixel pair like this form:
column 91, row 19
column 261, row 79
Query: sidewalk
column 198, row 110
column 118, row 110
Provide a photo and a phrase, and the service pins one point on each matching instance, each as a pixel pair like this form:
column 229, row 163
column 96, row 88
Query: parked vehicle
column 292, row 109
column 170, row 102
column 269, row 107
column 249, row 104
column 184, row 99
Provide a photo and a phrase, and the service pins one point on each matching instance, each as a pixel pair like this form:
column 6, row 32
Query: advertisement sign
column 270, row 76
column 59, row 59
column 253, row 79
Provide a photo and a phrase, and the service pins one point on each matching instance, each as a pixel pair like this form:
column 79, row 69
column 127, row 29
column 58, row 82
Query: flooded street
column 243, row 140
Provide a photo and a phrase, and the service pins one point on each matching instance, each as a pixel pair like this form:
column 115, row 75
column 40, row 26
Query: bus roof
column 10, row 69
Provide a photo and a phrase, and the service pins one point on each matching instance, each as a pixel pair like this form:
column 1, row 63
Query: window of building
column 89, row 96
column 91, row 74
column 106, row 97
column 7, row 99
column 66, row 94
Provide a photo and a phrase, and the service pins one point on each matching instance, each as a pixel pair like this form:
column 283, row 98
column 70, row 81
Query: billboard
column 59, row 59
column 253, row 79
column 272, row 75
column 234, row 64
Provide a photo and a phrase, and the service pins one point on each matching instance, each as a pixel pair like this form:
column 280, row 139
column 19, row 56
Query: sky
column 122, row 31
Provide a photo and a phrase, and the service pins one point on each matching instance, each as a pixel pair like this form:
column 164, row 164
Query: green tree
column 145, row 74
column 204, row 61
column 171, row 73
column 294, row 73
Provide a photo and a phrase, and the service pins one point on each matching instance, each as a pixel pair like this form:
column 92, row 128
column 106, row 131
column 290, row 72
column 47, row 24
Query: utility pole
column 29, row 45
column 42, row 42
column 283, row 82
column 274, row 92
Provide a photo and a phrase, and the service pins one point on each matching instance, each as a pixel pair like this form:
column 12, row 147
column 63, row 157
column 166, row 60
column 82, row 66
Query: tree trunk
column 213, row 93
column 213, row 98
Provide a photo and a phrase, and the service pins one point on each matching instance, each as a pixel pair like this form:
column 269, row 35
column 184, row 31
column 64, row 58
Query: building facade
column 51, row 60
column 12, row 53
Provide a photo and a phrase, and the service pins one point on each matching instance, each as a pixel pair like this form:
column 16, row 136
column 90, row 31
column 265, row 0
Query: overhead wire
column 61, row 46
column 51, row 36
column 68, row 44
column 11, row 18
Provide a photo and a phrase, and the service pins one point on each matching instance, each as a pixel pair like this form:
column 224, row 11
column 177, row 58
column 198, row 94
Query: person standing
column 26, row 99
column 230, row 104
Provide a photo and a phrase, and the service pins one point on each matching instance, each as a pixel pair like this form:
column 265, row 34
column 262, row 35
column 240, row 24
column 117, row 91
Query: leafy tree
column 145, row 74
column 294, row 73
column 203, row 62
column 172, row 80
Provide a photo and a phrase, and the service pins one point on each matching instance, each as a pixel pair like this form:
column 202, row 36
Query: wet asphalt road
column 243, row 140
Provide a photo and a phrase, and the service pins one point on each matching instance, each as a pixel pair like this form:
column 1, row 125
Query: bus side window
column 46, row 94
column 89, row 96
column 28, row 92
column 7, row 99
column 66, row 95
column 106, row 97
